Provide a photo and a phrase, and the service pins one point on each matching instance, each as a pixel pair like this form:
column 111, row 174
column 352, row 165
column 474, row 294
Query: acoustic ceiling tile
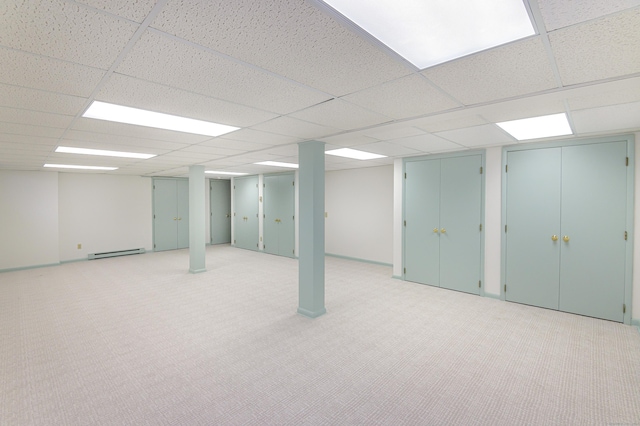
column 105, row 139
column 334, row 57
column 485, row 135
column 28, row 140
column 29, row 130
column 134, row 10
column 406, row 97
column 625, row 117
column 562, row 13
column 295, row 128
column 210, row 150
column 438, row 123
column 514, row 69
column 161, row 59
column 532, row 106
column 129, row 91
column 393, row 131
column 611, row 93
column 386, row 148
column 347, row 139
column 233, row 144
column 38, row 100
column 133, row 131
column 603, row 48
column 34, row 118
column 39, row 72
column 427, row 143
column 67, row 31
column 339, row 114
column 264, row 138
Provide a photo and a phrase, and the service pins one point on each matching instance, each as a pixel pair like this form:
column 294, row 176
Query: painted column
column 197, row 220
column 311, row 223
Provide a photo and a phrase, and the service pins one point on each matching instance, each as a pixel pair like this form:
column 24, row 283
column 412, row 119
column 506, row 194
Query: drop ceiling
column 288, row 71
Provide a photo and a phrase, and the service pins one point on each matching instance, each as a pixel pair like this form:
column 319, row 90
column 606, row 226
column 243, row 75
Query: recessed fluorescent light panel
column 278, row 164
column 427, row 33
column 67, row 166
column 538, row 127
column 226, row 173
column 87, row 151
column 354, row 153
column 141, row 117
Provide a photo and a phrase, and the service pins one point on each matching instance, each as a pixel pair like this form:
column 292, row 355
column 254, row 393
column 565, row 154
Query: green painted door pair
column 220, row 201
column 279, row 211
column 170, row 214
column 245, row 215
column 443, row 214
column 565, row 228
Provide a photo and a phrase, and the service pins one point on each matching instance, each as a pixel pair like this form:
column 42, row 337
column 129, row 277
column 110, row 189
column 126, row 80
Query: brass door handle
column 175, row 218
column 228, row 215
column 435, row 230
column 443, row 231
column 554, row 238
column 565, row 238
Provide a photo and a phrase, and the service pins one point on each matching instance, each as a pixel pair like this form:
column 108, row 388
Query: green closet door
column 286, row 240
column 182, row 187
column 246, row 212
column 460, row 218
column 279, row 208
column 270, row 229
column 165, row 215
column 533, row 218
column 220, row 200
column 594, row 197
column 422, row 217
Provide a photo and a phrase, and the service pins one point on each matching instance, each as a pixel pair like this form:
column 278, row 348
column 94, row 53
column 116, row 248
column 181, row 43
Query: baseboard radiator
column 115, row 253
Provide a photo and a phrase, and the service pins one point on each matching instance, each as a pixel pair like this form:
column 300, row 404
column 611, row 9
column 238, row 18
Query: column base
column 311, row 314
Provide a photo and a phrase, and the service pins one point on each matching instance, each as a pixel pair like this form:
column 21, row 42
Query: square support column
column 197, row 220
column 311, row 223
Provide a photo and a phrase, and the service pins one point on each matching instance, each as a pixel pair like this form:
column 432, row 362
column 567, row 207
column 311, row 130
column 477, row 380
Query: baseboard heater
column 115, row 253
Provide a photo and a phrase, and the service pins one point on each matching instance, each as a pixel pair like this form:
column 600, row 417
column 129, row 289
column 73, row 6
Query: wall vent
column 115, row 253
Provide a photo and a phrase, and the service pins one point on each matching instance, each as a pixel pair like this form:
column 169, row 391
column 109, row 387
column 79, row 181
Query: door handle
column 443, row 231
column 228, row 215
column 565, row 238
column 554, row 238
column 175, row 218
column 435, row 230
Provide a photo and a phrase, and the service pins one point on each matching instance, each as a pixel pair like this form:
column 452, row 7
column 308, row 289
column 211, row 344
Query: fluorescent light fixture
column 537, row 127
column 427, row 33
column 141, row 117
column 354, row 153
column 87, row 151
column 278, row 164
column 226, row 173
column 67, row 166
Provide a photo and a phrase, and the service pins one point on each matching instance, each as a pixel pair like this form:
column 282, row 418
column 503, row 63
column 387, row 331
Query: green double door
column 565, row 228
column 245, row 215
column 443, row 217
column 220, row 206
column 170, row 214
column 279, row 212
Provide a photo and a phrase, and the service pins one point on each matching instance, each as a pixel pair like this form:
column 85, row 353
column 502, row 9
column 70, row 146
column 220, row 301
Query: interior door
column 182, row 187
column 533, row 227
column 271, row 204
column 246, row 212
column 594, row 186
column 422, row 222
column 220, row 201
column 286, row 239
column 165, row 214
column 460, row 219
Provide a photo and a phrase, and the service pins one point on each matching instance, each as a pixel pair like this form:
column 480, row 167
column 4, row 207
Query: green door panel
column 271, row 203
column 422, row 218
column 220, row 202
column 460, row 217
column 594, row 197
column 182, row 186
column 286, row 225
column 246, row 212
column 279, row 208
column 532, row 218
column 165, row 214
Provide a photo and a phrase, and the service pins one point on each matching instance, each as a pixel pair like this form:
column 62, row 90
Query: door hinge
column 154, row 216
column 480, row 284
column 154, row 246
column 480, row 227
column 481, row 170
column 293, row 217
column 234, row 241
column 256, row 185
column 506, row 168
column 257, row 245
column 293, row 183
column 405, row 175
column 627, row 162
column 505, row 229
column 154, row 187
column 505, row 288
column 626, row 234
column 405, row 223
column 624, row 308
column 256, row 214
column 405, row 270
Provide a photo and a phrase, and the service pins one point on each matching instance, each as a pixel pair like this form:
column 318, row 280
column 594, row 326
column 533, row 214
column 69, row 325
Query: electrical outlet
column 79, row 246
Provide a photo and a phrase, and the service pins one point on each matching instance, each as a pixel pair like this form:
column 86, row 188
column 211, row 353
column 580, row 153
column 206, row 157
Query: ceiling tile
column 28, row 140
column 211, row 150
column 334, row 57
column 485, row 135
column 175, row 63
column 260, row 137
column 386, row 148
column 347, row 139
column 339, row 114
column 596, row 50
column 295, row 128
column 410, row 96
column 129, row 91
column 38, row 72
column 427, row 143
column 135, row 10
column 562, row 13
column 132, row 131
column 34, row 118
column 611, row 93
column 393, row 131
column 532, row 106
column 507, row 71
column 38, row 100
column 439, row 123
column 66, row 31
column 29, row 130
column 624, row 117
column 104, row 141
column 235, row 144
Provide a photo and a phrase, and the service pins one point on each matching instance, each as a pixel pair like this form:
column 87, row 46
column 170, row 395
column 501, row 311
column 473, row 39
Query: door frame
column 630, row 139
column 211, row 183
column 482, row 154
column 153, row 205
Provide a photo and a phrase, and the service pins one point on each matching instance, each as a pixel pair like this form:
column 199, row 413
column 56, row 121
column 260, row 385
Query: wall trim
column 492, row 296
column 374, row 262
column 636, row 323
column 24, row 268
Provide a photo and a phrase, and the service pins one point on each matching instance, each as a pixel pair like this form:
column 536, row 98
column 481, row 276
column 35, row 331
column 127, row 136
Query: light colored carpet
column 137, row 340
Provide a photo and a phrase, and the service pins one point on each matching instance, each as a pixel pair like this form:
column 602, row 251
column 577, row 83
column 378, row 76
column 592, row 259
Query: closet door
column 270, row 228
column 246, row 212
column 279, row 208
column 533, row 234
column 594, row 203
column 220, row 200
column 460, row 219
column 286, row 239
column 165, row 215
column 182, row 187
column 422, row 222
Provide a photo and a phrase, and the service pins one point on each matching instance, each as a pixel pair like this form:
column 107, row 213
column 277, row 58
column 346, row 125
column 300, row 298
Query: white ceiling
column 286, row 71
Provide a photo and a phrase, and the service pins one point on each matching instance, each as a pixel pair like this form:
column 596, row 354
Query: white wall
column 492, row 220
column 28, row 219
column 103, row 213
column 359, row 206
